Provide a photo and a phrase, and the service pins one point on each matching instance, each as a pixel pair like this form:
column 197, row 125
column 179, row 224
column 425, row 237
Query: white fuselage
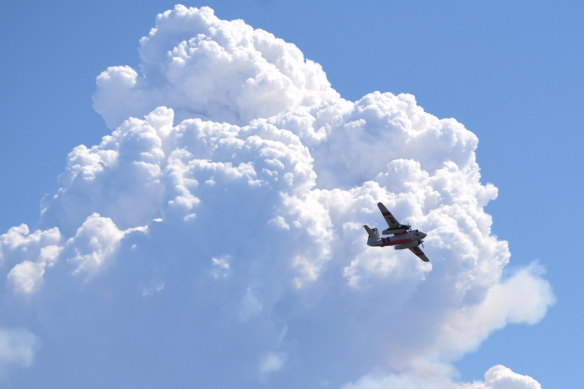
column 402, row 241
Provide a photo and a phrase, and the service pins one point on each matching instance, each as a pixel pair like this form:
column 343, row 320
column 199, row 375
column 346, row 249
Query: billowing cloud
column 501, row 377
column 215, row 236
column 201, row 65
column 497, row 377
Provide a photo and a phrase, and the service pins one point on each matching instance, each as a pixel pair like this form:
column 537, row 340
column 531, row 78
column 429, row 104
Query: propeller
column 421, row 243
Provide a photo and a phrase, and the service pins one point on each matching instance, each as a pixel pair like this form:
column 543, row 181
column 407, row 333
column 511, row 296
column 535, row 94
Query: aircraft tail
column 373, row 233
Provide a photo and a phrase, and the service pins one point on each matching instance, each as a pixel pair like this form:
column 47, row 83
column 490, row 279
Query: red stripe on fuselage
column 393, row 242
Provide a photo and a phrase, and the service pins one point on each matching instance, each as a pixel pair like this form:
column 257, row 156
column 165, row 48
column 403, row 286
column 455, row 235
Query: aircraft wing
column 391, row 221
column 416, row 250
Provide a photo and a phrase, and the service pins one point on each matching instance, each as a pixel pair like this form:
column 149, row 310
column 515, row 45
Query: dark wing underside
column 391, row 221
column 416, row 250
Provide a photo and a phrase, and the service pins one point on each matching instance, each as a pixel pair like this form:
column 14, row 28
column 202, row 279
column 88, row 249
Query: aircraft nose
column 423, row 235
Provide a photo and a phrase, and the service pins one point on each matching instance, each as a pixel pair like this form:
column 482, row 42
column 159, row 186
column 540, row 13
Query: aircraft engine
column 408, row 245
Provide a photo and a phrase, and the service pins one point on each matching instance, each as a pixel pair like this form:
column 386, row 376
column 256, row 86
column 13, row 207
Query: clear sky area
column 509, row 72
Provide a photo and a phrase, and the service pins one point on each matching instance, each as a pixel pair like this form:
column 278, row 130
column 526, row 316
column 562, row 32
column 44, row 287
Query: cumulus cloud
column 218, row 228
column 497, row 377
column 501, row 377
column 200, row 65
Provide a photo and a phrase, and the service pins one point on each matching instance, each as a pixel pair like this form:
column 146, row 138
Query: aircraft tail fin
column 373, row 233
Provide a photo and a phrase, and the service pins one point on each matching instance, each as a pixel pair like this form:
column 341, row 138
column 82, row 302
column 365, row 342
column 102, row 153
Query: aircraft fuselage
column 400, row 241
column 400, row 235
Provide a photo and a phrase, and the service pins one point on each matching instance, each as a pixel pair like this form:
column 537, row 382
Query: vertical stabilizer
column 373, row 233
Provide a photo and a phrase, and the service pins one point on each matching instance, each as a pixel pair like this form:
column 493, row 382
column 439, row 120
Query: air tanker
column 400, row 236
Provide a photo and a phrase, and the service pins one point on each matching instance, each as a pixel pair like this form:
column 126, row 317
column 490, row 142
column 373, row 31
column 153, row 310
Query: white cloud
column 93, row 244
column 505, row 302
column 497, row 377
column 26, row 276
column 270, row 363
column 221, row 70
column 32, row 253
column 501, row 377
column 17, row 347
column 234, row 201
column 220, row 267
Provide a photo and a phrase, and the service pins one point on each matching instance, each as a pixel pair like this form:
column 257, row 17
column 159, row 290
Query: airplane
column 402, row 235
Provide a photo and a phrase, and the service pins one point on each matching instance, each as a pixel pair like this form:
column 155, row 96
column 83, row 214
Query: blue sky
column 511, row 72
